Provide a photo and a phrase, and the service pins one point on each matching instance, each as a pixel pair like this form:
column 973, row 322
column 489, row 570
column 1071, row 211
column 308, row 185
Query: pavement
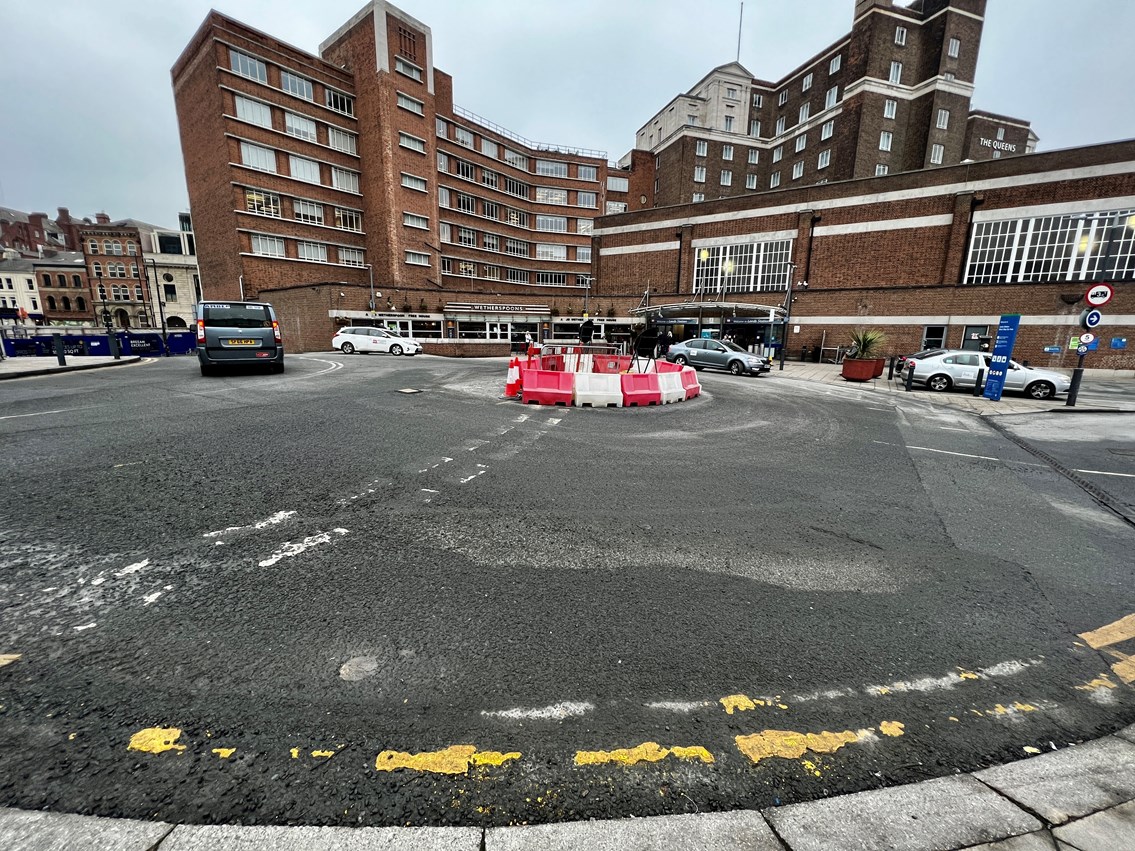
column 1078, row 798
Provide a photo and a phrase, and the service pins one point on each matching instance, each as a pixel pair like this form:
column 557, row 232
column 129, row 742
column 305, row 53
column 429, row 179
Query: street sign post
column 1002, row 351
column 1099, row 295
column 1086, row 338
column 1090, row 319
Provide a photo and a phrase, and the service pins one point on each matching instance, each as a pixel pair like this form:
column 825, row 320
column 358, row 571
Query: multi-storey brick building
column 354, row 170
column 113, row 256
column 893, row 95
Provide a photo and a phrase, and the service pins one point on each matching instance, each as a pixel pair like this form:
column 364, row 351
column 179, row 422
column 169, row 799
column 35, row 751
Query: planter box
column 859, row 369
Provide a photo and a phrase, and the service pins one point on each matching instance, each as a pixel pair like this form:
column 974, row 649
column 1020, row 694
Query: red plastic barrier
column 666, row 366
column 639, row 389
column 608, row 364
column 690, row 382
column 552, row 363
column 545, row 387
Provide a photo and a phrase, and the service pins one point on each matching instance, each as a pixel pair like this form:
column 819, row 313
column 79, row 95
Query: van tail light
column 276, row 331
column 200, row 330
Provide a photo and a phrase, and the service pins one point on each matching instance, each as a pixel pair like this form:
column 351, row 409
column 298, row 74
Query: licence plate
column 244, row 342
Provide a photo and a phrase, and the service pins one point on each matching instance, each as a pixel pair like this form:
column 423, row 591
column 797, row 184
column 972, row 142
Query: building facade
column 891, row 96
column 931, row 257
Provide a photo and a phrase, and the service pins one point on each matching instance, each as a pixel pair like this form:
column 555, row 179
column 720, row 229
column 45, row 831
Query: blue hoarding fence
column 1002, row 351
column 146, row 343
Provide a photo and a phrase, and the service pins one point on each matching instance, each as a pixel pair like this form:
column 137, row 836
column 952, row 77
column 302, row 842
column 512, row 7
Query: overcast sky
column 88, row 119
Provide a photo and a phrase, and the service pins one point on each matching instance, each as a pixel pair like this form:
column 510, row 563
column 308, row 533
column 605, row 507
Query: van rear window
column 236, row 316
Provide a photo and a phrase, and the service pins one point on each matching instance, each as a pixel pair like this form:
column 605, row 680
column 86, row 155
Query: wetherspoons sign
column 469, row 307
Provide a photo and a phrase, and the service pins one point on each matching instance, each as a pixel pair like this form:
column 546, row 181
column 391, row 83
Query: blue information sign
column 1002, row 351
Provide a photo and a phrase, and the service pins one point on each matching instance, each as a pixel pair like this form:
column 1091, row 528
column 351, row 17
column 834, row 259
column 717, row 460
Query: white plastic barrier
column 597, row 390
column 670, row 383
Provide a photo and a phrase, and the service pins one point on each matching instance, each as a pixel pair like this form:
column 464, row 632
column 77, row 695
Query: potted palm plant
column 863, row 362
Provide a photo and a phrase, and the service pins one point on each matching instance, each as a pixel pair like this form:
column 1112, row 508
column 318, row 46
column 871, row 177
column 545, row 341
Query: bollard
column 977, row 384
column 59, row 353
column 891, row 368
column 910, row 377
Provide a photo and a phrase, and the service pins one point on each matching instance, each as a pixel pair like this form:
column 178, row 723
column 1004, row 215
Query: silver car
column 718, row 354
column 948, row 369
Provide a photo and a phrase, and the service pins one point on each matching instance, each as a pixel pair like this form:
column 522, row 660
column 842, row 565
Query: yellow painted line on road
column 739, row 703
column 790, row 744
column 646, row 752
column 1125, row 667
column 9, row 658
column 452, row 760
column 1102, row 681
column 1115, row 632
column 224, row 753
column 156, row 740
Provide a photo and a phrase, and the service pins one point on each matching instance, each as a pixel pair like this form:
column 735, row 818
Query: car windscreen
column 236, row 316
column 926, row 353
column 733, row 347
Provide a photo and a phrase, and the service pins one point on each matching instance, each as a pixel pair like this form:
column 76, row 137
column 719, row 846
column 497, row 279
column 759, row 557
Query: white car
column 366, row 339
column 947, row 369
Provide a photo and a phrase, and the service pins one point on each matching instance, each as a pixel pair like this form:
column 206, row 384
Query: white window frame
column 890, row 108
column 345, row 179
column 801, row 142
column 414, row 220
column 807, row 83
column 937, row 154
column 261, row 242
column 943, row 122
column 881, row 169
column 832, row 97
column 896, row 73
column 726, row 154
column 351, row 256
column 701, row 148
column 774, row 180
column 780, row 122
column 726, row 177
column 248, row 66
column 754, row 156
column 805, row 112
column 407, row 69
column 312, row 252
column 307, row 211
column 301, row 168
column 825, row 159
column 300, row 127
column 827, row 130
column 348, row 220
column 778, row 153
column 900, row 36
column 343, row 141
column 417, row 258
column 411, row 104
column 296, row 85
column 258, row 157
column 835, row 64
column 750, row 181
column 253, row 111
column 414, row 182
column 886, row 139
column 955, row 48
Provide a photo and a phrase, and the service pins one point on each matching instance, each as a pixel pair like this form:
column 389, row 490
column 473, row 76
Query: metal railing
column 528, row 143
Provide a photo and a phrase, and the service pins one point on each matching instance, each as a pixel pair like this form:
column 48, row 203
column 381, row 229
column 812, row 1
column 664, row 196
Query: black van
column 238, row 333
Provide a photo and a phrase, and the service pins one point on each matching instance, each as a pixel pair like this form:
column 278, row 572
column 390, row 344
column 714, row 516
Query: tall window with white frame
column 896, row 73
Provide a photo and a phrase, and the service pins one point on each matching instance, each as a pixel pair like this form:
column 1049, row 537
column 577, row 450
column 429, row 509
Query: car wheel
column 395, row 350
column 277, row 368
column 1041, row 390
column 347, row 349
column 939, row 382
column 736, row 367
column 680, row 360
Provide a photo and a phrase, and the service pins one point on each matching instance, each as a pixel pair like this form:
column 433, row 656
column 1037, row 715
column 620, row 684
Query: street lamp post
column 161, row 305
column 370, row 275
column 787, row 313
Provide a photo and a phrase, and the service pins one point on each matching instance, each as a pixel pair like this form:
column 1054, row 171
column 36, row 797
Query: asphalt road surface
column 370, row 591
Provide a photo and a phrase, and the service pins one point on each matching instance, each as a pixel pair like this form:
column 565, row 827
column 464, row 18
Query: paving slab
column 28, row 830
column 1127, row 733
column 951, row 812
column 1042, row 840
column 741, row 830
column 269, row 838
column 1110, row 830
column 1069, row 783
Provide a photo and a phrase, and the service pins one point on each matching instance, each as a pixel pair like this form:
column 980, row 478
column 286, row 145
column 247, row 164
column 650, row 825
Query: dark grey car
column 238, row 333
column 718, row 354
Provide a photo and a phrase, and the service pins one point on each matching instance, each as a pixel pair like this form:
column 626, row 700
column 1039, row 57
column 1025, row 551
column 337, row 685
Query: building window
column 955, row 48
column 444, row 234
column 758, row 100
column 465, row 170
column 411, row 104
column 890, row 108
column 827, row 130
column 885, row 140
column 488, row 147
column 726, row 177
column 269, row 246
column 584, row 225
column 900, row 36
column 254, row 156
column 246, row 66
column 943, row 119
column 588, row 172
column 489, row 178
column 516, row 188
column 701, row 148
column 253, row 111
column 805, row 111
column 490, row 210
column 616, row 207
column 464, row 137
column 93, row 246
column 782, row 98
column 407, row 69
column 516, row 218
column 583, row 253
column 880, row 170
column 780, row 125
column 300, row 127
column 753, row 155
column 692, row 120
column 731, row 92
column 552, row 224
column 778, row 153
column 76, row 281
column 774, row 180
column 755, row 128
column 348, row 220
column 263, row 203
column 516, row 160
column 587, row 199
column 551, row 195
column 351, row 257
column 413, row 220
column 516, row 247
column 807, row 84
column 896, row 73
column 343, row 141
column 467, row 237
column 797, row 170
column 552, row 168
column 466, row 203
column 996, row 155
column 698, row 196
column 308, row 211
column 834, row 65
column 622, row 184
column 301, row 168
column 411, row 181
column 937, row 152
column 825, row 159
column 750, row 181
column 316, row 252
column 516, row 276
column 729, row 124
column 801, row 142
column 339, row 102
column 745, row 267
column 345, row 179
column 491, row 242
column 417, row 258
column 1000, row 134
column 549, row 251
column 299, row 86
column 405, row 140
column 832, row 97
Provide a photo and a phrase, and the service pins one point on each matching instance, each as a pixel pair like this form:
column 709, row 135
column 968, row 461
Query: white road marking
column 953, row 679
column 555, row 712
column 940, row 451
column 90, row 625
column 468, row 479
column 45, row 413
column 1105, row 473
column 521, row 418
column 128, row 464
column 275, row 519
column 948, row 428
column 291, row 549
column 429, row 490
column 684, row 706
column 137, row 567
column 150, row 598
column 553, row 421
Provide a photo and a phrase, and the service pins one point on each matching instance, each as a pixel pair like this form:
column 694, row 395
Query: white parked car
column 949, row 369
column 365, row 339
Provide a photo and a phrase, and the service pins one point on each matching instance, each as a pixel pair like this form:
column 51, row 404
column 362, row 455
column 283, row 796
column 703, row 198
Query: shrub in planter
column 864, row 362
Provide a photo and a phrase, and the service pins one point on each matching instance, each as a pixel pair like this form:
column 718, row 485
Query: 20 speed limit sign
column 1099, row 295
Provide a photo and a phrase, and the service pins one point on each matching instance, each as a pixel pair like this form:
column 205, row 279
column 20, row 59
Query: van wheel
column 347, row 349
column 396, row 350
column 206, row 370
column 277, row 368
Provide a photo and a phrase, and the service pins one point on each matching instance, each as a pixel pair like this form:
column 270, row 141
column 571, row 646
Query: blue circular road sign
column 1092, row 319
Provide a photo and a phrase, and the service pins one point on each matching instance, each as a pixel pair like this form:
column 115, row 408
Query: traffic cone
column 512, row 383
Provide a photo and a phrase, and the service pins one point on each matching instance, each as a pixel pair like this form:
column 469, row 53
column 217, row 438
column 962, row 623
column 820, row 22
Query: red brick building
column 932, row 257
column 117, row 274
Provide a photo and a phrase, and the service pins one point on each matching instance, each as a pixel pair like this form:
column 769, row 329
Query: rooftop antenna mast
column 740, row 18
